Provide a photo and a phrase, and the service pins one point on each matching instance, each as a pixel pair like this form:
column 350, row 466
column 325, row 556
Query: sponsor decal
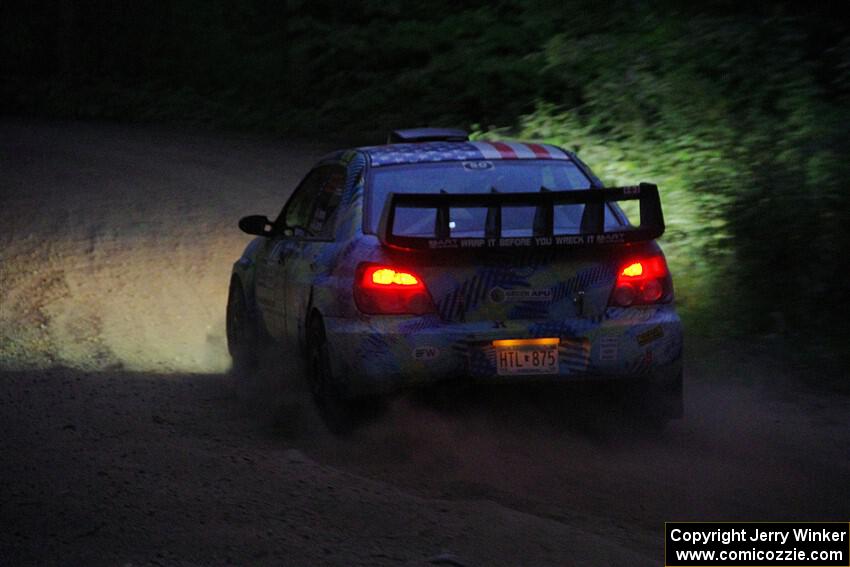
column 477, row 165
column 523, row 271
column 443, row 243
column 607, row 238
column 569, row 240
column 528, row 242
column 426, row 353
column 632, row 314
column 513, row 242
column 500, row 295
column 653, row 334
column 608, row 349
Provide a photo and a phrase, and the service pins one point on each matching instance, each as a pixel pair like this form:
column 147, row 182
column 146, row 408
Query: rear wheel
column 331, row 400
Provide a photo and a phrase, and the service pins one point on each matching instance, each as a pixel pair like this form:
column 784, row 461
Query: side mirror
column 258, row 225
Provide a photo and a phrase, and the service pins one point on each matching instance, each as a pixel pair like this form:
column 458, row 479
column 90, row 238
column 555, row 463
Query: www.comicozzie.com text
column 726, row 536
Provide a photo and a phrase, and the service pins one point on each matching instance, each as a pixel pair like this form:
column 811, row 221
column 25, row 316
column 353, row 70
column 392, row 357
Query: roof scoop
column 427, row 135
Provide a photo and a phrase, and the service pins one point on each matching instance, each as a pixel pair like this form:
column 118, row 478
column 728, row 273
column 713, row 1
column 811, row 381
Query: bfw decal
column 425, row 353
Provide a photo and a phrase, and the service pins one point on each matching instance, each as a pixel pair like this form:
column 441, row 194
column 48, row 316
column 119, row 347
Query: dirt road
column 122, row 442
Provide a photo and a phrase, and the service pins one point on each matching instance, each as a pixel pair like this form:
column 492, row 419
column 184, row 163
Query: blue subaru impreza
column 434, row 258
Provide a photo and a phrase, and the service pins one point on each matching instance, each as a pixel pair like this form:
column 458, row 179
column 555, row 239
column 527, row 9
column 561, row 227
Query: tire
column 243, row 343
column 334, row 405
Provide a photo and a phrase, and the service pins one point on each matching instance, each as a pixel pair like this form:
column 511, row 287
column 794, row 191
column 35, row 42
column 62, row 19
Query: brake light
column 632, row 270
column 386, row 290
column 642, row 281
column 388, row 276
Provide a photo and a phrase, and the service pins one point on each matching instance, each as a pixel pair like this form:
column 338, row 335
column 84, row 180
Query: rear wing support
column 544, row 233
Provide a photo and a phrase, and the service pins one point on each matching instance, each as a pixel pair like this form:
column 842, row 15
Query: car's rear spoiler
column 592, row 233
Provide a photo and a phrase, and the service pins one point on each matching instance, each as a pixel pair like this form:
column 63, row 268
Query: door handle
column 578, row 301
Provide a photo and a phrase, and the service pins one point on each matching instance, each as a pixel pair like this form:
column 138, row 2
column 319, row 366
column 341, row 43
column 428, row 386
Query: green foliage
column 730, row 117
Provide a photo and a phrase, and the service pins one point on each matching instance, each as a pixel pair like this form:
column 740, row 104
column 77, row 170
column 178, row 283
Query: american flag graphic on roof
column 398, row 154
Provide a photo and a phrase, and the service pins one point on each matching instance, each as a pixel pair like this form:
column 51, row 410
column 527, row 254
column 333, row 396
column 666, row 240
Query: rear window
column 480, row 176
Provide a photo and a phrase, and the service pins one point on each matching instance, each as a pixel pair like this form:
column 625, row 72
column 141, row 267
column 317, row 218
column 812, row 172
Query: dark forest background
column 739, row 111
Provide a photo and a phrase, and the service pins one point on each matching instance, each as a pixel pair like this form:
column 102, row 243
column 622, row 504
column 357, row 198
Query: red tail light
column 642, row 281
column 388, row 290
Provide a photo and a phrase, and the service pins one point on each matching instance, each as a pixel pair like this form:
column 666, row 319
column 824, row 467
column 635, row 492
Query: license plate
column 526, row 356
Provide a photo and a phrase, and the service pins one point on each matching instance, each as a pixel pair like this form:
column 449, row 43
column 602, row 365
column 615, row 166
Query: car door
column 268, row 277
column 305, row 251
column 289, row 227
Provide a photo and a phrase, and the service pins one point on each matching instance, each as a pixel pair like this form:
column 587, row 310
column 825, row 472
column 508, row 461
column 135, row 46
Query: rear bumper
column 382, row 354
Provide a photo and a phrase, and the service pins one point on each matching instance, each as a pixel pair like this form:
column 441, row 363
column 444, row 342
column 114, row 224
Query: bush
column 732, row 118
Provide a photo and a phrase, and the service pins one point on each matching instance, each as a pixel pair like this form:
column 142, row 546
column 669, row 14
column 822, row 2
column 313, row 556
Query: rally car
column 435, row 258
